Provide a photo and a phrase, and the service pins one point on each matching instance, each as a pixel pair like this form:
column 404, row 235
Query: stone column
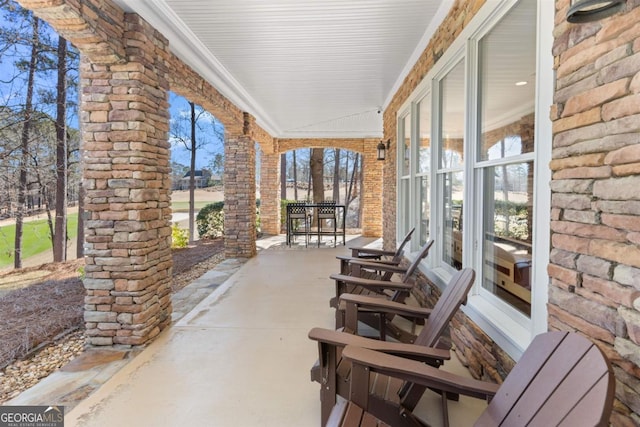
column 239, row 197
column 372, row 190
column 270, row 193
column 125, row 123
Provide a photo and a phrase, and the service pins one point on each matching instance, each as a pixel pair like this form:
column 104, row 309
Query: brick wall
column 595, row 256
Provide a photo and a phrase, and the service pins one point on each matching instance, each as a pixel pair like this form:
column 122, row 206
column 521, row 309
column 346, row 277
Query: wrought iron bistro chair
column 298, row 223
column 327, row 211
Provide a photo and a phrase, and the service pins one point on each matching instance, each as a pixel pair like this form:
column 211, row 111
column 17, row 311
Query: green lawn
column 35, row 238
column 184, row 206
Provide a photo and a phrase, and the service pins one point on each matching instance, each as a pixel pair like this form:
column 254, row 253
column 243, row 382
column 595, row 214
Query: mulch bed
column 35, row 316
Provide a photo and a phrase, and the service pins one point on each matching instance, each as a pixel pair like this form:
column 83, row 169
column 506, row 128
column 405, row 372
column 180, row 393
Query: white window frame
column 426, row 97
column 511, row 330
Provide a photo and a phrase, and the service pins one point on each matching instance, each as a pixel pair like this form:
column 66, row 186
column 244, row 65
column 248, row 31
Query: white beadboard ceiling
column 303, row 68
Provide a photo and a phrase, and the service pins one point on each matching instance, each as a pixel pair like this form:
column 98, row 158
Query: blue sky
column 12, row 93
column 209, row 133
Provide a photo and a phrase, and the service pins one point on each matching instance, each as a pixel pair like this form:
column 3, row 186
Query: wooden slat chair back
column 355, row 288
column 395, row 397
column 562, row 379
column 353, row 284
column 371, row 254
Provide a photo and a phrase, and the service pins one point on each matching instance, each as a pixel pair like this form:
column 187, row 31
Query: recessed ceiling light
column 522, row 83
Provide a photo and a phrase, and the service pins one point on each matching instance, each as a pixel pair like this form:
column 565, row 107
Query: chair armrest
column 375, row 265
column 416, row 372
column 359, row 250
column 385, row 306
column 350, row 259
column 342, row 339
column 371, row 283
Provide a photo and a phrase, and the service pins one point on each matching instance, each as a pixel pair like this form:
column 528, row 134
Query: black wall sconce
column 382, row 149
column 582, row 11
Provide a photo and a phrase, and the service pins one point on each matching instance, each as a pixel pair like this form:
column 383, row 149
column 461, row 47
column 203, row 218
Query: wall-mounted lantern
column 582, row 11
column 382, row 148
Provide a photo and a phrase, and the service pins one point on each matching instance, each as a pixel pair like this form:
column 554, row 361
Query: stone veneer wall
column 240, row 194
column 126, row 72
column 595, row 255
column 270, row 193
column 125, row 122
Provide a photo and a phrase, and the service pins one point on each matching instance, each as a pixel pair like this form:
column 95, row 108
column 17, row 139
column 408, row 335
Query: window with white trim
column 404, row 171
column 423, row 165
column 471, row 162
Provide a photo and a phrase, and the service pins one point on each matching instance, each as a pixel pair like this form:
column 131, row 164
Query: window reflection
column 451, row 163
column 424, row 209
column 452, row 113
column 405, row 145
column 452, row 228
column 507, row 64
column 507, row 213
column 424, row 167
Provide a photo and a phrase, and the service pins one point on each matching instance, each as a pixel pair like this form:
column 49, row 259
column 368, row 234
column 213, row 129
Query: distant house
column 202, row 180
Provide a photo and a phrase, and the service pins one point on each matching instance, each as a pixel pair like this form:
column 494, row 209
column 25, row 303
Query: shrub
column 210, row 220
column 179, row 237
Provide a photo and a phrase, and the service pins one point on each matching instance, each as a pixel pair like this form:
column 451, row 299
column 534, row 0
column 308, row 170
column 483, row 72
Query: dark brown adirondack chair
column 373, row 254
column 388, row 289
column 562, row 379
column 333, row 373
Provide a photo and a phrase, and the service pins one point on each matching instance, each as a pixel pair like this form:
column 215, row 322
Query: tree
column 190, row 130
column 336, row 175
column 26, row 128
column 192, row 175
column 60, row 233
column 28, row 155
column 295, row 176
column 316, row 164
column 283, row 176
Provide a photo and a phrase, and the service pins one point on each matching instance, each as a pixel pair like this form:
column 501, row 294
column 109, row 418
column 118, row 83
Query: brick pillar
column 239, row 197
column 125, row 123
column 270, row 193
column 372, row 190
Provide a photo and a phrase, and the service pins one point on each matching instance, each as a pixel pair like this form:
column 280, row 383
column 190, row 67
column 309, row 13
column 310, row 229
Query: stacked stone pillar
column 239, row 197
column 372, row 190
column 270, row 193
column 125, row 123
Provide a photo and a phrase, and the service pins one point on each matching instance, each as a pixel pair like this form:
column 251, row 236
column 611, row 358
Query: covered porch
column 241, row 357
column 438, row 83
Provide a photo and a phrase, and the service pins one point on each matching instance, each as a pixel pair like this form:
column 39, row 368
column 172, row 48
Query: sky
column 209, row 133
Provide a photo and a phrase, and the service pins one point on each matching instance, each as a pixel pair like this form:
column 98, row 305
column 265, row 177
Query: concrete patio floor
column 241, row 357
